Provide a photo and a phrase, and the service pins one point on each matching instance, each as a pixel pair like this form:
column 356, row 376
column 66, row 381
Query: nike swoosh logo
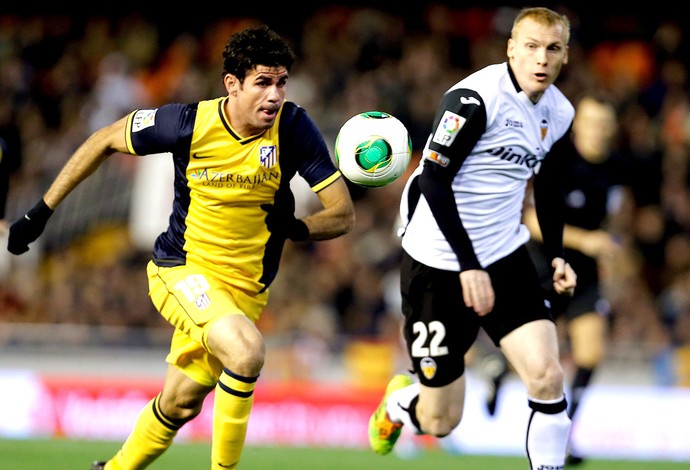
column 201, row 156
column 470, row 100
column 26, row 216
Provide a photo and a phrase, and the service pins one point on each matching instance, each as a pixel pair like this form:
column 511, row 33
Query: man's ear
column 231, row 84
column 509, row 48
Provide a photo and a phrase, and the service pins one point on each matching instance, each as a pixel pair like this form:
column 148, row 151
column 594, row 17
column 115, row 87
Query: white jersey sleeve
column 486, row 169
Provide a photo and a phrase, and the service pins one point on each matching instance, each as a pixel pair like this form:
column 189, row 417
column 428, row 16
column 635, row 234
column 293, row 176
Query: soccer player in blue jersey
column 465, row 264
column 234, row 157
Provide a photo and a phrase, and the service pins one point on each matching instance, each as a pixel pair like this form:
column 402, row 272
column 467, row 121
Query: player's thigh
column 193, row 299
column 532, row 349
column 239, row 345
column 438, row 328
column 587, row 338
column 519, row 297
column 190, row 298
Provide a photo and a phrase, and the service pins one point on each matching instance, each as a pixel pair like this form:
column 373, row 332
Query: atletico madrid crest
column 268, row 155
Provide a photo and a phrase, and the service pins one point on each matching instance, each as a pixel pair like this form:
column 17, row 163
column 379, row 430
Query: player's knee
column 240, row 347
column 246, row 358
column 547, row 383
column 440, row 425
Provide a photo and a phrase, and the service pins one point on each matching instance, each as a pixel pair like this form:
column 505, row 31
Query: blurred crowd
column 62, row 77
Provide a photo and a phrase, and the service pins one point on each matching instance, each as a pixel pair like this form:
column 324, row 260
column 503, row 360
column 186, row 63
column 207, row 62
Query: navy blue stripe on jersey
column 299, row 139
column 172, row 133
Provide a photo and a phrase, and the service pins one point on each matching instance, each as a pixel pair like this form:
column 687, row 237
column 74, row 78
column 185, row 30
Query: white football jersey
column 494, row 162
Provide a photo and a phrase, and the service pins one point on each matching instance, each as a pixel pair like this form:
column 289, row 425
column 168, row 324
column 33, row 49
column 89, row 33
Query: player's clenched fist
column 28, row 228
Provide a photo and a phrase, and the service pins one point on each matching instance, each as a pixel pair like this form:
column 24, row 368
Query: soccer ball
column 373, row 149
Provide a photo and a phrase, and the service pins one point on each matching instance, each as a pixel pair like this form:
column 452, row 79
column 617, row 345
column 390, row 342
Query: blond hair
column 543, row 16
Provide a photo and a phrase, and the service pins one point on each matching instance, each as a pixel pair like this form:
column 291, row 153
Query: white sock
column 547, row 433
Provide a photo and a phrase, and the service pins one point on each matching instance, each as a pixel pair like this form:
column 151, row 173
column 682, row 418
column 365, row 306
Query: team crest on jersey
column 143, row 118
column 202, row 302
column 448, row 128
column 268, row 155
column 543, row 127
column 429, row 367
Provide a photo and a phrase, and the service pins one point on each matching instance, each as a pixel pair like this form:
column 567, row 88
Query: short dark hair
column 255, row 46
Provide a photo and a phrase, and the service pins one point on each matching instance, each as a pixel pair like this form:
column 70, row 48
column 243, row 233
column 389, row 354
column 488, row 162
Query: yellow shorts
column 191, row 299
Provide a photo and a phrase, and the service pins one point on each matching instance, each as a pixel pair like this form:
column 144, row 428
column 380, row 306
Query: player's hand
column 564, row 277
column 281, row 220
column 477, row 291
column 28, row 228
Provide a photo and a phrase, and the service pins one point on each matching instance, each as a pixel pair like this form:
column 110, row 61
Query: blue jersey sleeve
column 303, row 148
column 162, row 129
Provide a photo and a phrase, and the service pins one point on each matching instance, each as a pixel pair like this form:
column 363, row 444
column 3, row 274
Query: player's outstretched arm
column 85, row 160
column 337, row 216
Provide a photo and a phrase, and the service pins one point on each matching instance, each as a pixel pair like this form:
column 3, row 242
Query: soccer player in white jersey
column 465, row 264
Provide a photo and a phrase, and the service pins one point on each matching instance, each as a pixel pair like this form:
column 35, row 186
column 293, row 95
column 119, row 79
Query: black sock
column 581, row 380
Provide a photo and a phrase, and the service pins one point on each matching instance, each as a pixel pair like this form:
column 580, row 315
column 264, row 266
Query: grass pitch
column 56, row 454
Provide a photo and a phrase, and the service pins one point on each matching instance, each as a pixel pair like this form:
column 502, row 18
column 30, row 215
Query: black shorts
column 587, row 296
column 439, row 329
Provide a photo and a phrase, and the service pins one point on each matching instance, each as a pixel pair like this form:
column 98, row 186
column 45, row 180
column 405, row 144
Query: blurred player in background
column 10, row 161
column 592, row 182
column 4, row 184
column 465, row 264
column 234, row 157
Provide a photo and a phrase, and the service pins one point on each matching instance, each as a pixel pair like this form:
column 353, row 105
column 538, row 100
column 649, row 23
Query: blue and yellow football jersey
column 221, row 182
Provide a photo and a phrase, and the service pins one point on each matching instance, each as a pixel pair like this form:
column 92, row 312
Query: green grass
column 58, row 454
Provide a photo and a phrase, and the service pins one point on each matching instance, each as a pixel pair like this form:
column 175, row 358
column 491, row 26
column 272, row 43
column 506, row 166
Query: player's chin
column 541, row 84
column 267, row 121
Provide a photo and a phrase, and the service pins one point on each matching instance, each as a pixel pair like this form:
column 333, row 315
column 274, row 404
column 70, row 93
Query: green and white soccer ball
column 373, row 149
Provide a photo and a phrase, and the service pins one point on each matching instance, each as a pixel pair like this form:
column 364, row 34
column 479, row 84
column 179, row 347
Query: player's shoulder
column 166, row 111
column 558, row 98
column 294, row 118
column 488, row 83
column 290, row 111
column 561, row 109
column 491, row 72
column 483, row 79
